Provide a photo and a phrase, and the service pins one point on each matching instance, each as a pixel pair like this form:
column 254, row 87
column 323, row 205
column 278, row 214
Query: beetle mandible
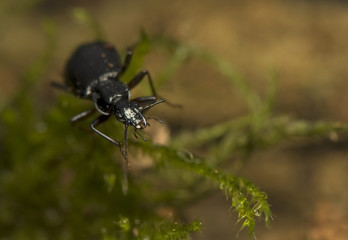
column 93, row 72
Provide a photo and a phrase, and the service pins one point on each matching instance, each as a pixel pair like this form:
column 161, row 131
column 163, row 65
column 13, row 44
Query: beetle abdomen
column 88, row 64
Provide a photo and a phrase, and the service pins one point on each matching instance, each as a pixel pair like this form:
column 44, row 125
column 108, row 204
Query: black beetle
column 93, row 72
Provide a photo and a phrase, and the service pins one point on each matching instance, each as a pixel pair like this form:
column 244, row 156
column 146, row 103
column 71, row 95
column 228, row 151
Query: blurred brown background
column 304, row 41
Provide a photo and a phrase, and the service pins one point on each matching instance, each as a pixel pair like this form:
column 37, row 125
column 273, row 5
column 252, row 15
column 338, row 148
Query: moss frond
column 156, row 229
column 247, row 200
column 62, row 183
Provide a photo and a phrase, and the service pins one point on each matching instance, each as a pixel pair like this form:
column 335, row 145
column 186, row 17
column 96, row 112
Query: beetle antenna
column 154, row 118
column 151, row 105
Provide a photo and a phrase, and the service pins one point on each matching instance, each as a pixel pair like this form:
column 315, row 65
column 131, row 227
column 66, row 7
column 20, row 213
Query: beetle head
column 130, row 114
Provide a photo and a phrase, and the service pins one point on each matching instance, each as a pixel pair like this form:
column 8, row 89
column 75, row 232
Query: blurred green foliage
column 58, row 182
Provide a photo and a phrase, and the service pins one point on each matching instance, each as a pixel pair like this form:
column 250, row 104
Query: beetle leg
column 99, row 120
column 61, row 86
column 125, row 157
column 137, row 79
column 144, row 108
column 82, row 116
column 127, row 60
column 140, row 76
column 144, row 100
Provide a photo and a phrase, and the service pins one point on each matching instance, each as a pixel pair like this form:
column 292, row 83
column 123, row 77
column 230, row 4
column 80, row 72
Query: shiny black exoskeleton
column 93, row 72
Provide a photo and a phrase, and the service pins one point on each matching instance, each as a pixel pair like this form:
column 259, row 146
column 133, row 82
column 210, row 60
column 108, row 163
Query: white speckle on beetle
column 115, row 98
column 106, row 76
column 129, row 114
column 90, row 87
column 88, row 91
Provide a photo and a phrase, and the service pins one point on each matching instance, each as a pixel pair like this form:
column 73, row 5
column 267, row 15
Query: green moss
column 58, row 182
